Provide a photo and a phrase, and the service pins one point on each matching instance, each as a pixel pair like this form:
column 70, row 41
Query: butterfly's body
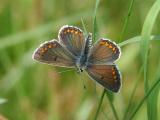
column 72, row 49
column 82, row 61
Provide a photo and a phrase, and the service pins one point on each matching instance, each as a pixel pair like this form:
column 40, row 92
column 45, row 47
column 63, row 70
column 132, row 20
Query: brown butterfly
column 73, row 50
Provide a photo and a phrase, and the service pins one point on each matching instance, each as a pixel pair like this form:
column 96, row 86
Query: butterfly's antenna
column 65, row 71
column 81, row 79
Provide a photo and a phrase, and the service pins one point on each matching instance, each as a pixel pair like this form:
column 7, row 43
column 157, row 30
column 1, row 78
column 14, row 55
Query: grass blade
column 144, row 98
column 126, row 21
column 99, row 105
column 110, row 99
column 84, row 27
column 146, row 33
column 137, row 39
column 132, row 95
column 95, row 27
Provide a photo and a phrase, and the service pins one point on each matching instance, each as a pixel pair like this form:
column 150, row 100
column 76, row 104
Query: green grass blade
column 146, row 33
column 99, row 105
column 132, row 95
column 137, row 39
column 84, row 27
column 110, row 99
column 95, row 27
column 157, row 83
column 153, row 98
column 126, row 21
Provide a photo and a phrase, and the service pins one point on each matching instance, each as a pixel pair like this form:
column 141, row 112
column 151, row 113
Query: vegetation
column 34, row 91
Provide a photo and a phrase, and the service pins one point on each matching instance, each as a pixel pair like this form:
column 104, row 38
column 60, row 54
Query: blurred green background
column 34, row 91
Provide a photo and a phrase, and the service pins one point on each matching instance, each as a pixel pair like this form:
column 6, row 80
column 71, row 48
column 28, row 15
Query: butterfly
column 74, row 50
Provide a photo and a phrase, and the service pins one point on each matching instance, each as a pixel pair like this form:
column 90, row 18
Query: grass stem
column 99, row 105
column 144, row 98
column 132, row 95
column 126, row 20
column 112, row 107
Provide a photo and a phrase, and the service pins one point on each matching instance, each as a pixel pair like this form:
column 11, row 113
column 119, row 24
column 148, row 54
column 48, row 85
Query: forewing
column 106, row 75
column 72, row 38
column 53, row 53
column 104, row 51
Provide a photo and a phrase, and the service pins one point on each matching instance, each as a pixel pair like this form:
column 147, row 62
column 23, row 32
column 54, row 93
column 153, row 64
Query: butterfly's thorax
column 82, row 61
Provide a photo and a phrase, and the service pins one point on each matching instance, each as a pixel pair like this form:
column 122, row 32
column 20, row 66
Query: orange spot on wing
column 76, row 32
column 72, row 31
column 110, row 46
column 107, row 44
column 113, row 72
column 50, row 46
column 102, row 42
column 45, row 49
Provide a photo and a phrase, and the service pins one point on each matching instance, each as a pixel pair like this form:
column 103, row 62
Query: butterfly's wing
column 104, row 52
column 53, row 53
column 72, row 38
column 106, row 75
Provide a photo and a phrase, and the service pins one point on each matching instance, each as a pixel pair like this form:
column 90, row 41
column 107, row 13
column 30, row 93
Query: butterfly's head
column 81, row 67
column 79, row 70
